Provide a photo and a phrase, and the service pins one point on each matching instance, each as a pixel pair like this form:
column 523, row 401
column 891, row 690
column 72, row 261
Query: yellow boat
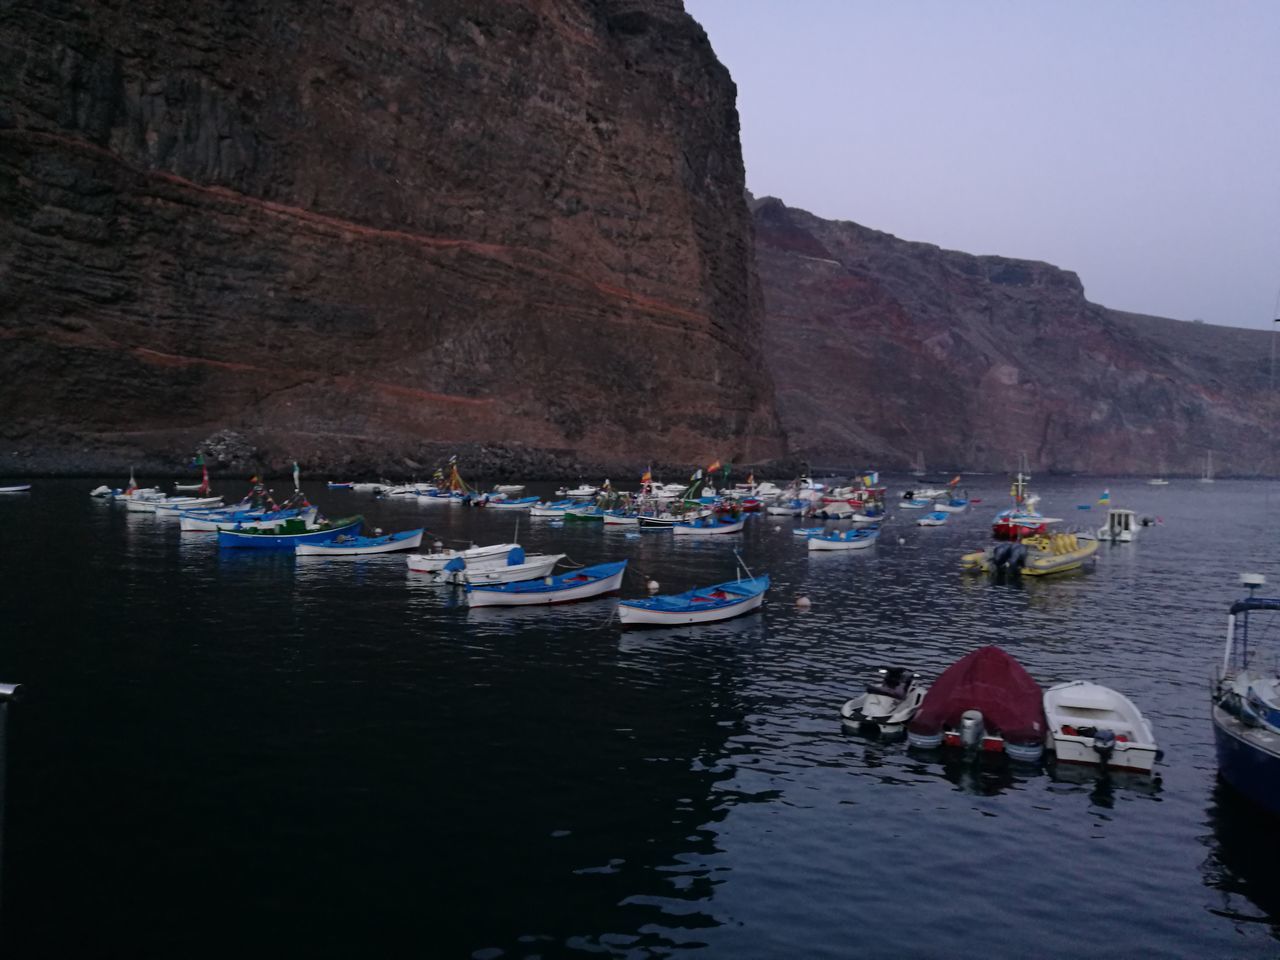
column 1033, row 556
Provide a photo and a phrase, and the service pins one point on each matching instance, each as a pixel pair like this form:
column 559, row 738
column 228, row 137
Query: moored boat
column 1093, row 724
column 708, row 525
column 16, row 488
column 289, row 534
column 580, row 584
column 888, row 703
column 551, row 508
column 721, row 601
column 519, row 503
column 517, row 566
column 340, row 485
column 1245, row 697
column 934, row 519
column 1033, row 556
column 349, row 546
column 1121, row 526
column 854, row 539
column 984, row 702
column 494, row 554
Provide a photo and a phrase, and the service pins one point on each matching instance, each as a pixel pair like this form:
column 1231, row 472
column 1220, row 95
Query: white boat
column 510, row 488
column 935, row 519
column 186, row 487
column 16, row 488
column 708, row 525
column 176, row 505
column 250, row 519
column 1089, row 723
column 552, row 508
column 527, row 568
column 580, row 492
column 567, row 587
column 844, row 540
column 700, row 605
column 520, row 503
column 1158, row 482
column 344, row 546
column 136, row 504
column 951, row 505
column 889, row 702
column 617, row 519
column 1121, row 526
column 368, row 487
column 475, row 557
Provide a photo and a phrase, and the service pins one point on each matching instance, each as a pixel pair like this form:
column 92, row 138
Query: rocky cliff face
column 882, row 349
column 373, row 227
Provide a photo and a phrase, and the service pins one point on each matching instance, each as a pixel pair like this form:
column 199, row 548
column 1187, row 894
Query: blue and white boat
column 251, row 519
column 289, row 534
column 552, row 508
column 502, row 502
column 1246, row 703
column 709, row 525
column 915, row 503
column 700, row 605
column 344, row 546
column 953, row 505
column 565, row 588
column 845, row 539
column 809, row 531
column 934, row 519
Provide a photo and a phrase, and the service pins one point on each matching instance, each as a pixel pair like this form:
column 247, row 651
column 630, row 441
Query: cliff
column 882, row 348
column 348, row 232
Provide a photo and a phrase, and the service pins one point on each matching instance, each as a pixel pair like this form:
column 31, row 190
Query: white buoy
column 802, row 603
column 653, row 586
column 901, row 541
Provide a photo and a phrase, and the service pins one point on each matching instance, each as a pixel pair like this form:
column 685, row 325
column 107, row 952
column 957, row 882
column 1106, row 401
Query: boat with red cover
column 985, row 702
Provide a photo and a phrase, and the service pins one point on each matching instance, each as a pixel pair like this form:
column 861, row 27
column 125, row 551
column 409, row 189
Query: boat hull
column 286, row 541
column 362, row 546
column 1248, row 759
column 857, row 543
column 494, row 555
column 479, row 595
column 639, row 617
column 16, row 488
column 511, row 573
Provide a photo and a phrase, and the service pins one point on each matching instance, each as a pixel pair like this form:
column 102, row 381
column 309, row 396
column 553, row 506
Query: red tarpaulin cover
column 989, row 680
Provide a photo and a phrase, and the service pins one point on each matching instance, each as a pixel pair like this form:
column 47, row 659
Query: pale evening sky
column 1136, row 142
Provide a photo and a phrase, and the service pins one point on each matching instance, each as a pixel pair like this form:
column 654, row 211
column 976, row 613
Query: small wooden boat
column 252, row 519
column 565, row 588
column 700, row 605
column 347, row 546
column 915, row 504
column 809, row 531
column 1089, row 723
column 845, row 539
column 581, row 492
column 671, row 519
column 510, row 488
column 289, row 534
column 584, row 514
column 709, row 525
column 552, row 508
column 187, row 487
column 517, row 567
column 935, row 519
column 336, row 485
column 519, row 503
column 494, row 554
column 621, row 518
column 177, row 505
column 954, row 505
column 16, row 488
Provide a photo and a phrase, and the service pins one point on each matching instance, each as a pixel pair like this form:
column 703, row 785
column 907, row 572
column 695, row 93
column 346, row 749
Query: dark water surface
column 249, row 753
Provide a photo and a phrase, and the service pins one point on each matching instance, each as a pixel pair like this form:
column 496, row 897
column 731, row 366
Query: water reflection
column 1244, row 852
column 1102, row 784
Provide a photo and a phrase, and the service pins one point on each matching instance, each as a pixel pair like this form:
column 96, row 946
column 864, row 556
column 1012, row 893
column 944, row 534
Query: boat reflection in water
column 1241, row 866
column 1103, row 784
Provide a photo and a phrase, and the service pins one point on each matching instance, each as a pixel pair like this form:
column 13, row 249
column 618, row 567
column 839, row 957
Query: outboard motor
column 1000, row 555
column 972, row 729
column 1104, row 742
column 1017, row 556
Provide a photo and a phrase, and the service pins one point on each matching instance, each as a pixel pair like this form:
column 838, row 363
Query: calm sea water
column 227, row 751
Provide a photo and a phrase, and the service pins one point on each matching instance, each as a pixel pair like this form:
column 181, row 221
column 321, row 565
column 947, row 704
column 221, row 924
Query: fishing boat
column 951, row 505
column 1245, row 695
column 581, row 492
column 855, row 539
column 518, row 566
column 581, row 584
column 792, row 507
column 935, row 519
column 519, row 503
column 915, row 503
column 809, row 531
column 253, row 519
column 667, row 519
column 583, row 513
column 1022, row 519
column 551, row 508
column 16, row 488
column 369, row 487
column 510, row 488
column 889, row 702
column 1093, row 724
column 721, row 601
column 1121, row 526
column 340, row 485
column 621, row 518
column 175, row 506
column 985, row 702
column 494, row 554
column 1033, row 556
column 708, row 525
column 289, row 534
column 343, row 546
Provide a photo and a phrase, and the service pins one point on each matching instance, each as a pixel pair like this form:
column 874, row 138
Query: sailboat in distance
column 1207, row 476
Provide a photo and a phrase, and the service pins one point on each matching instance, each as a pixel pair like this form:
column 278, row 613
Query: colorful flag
column 954, row 480
column 647, row 476
column 871, row 479
column 1105, row 499
column 713, row 468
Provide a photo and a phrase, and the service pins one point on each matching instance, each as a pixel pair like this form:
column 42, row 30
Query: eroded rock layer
column 883, row 349
column 373, row 226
